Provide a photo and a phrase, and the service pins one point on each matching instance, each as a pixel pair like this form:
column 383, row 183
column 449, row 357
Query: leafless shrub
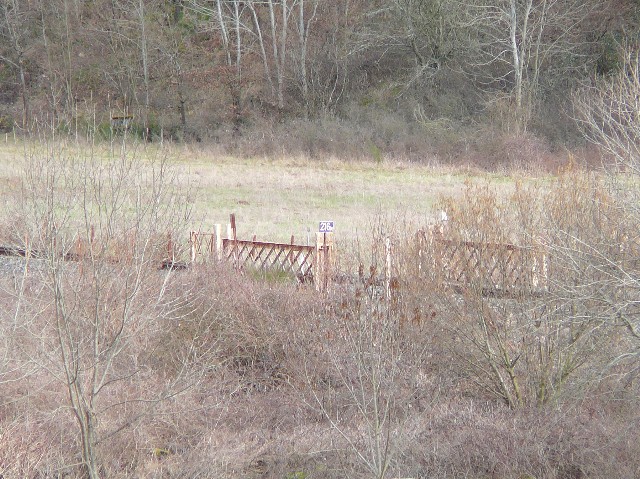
column 97, row 227
column 607, row 111
column 470, row 438
column 391, row 374
column 370, row 375
column 536, row 347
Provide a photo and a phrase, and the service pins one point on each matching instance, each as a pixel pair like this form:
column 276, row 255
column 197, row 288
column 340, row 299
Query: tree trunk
column 263, row 51
column 25, row 99
column 145, row 67
column 283, row 47
column 515, row 52
column 88, row 436
column 304, row 29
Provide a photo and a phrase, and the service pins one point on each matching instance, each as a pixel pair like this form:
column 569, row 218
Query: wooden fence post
column 218, row 228
column 317, row 267
column 212, row 245
column 229, row 243
column 192, row 244
column 387, row 271
column 324, row 261
column 234, row 233
column 170, row 253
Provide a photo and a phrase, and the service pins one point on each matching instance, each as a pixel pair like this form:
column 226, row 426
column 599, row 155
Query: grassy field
column 277, row 198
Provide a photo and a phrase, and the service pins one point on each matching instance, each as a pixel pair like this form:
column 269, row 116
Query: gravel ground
column 12, row 267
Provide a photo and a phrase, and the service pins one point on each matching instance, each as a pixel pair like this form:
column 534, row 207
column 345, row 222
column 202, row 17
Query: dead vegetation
column 125, row 370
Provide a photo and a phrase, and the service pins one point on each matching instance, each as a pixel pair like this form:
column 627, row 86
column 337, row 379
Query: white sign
column 326, row 227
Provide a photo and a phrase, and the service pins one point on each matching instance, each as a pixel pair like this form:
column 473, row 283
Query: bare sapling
column 370, row 366
column 98, row 227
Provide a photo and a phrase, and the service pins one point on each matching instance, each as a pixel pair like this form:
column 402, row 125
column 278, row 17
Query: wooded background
column 374, row 78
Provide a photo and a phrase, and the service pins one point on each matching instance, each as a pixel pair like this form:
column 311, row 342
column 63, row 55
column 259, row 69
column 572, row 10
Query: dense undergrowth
column 118, row 369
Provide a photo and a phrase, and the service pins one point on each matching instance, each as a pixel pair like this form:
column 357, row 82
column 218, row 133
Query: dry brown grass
column 281, row 378
column 253, row 415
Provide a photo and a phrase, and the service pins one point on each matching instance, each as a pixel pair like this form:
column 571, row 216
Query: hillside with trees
column 352, row 78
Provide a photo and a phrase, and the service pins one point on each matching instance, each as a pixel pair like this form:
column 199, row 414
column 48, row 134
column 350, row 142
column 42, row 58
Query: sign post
column 324, row 255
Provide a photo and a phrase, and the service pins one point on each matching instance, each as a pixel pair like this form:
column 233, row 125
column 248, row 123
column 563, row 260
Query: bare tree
column 527, row 41
column 278, row 14
column 144, row 54
column 257, row 25
column 304, row 31
column 264, row 27
column 14, row 29
column 229, row 20
column 99, row 227
column 608, row 111
column 371, row 374
column 432, row 31
column 279, row 44
column 534, row 346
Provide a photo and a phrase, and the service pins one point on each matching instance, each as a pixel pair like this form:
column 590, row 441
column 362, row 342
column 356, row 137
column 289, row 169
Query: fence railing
column 295, row 259
column 495, row 268
column 307, row 263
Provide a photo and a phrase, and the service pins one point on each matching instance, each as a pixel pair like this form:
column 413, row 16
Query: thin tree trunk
column 515, row 52
column 69, row 73
column 237, row 85
column 276, row 54
column 25, row 99
column 223, row 33
column 304, row 28
column 14, row 29
column 145, row 67
column 51, row 73
column 263, row 51
column 303, row 52
column 283, row 49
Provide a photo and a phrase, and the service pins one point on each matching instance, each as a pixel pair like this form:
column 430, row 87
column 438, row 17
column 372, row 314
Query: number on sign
column 326, row 227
